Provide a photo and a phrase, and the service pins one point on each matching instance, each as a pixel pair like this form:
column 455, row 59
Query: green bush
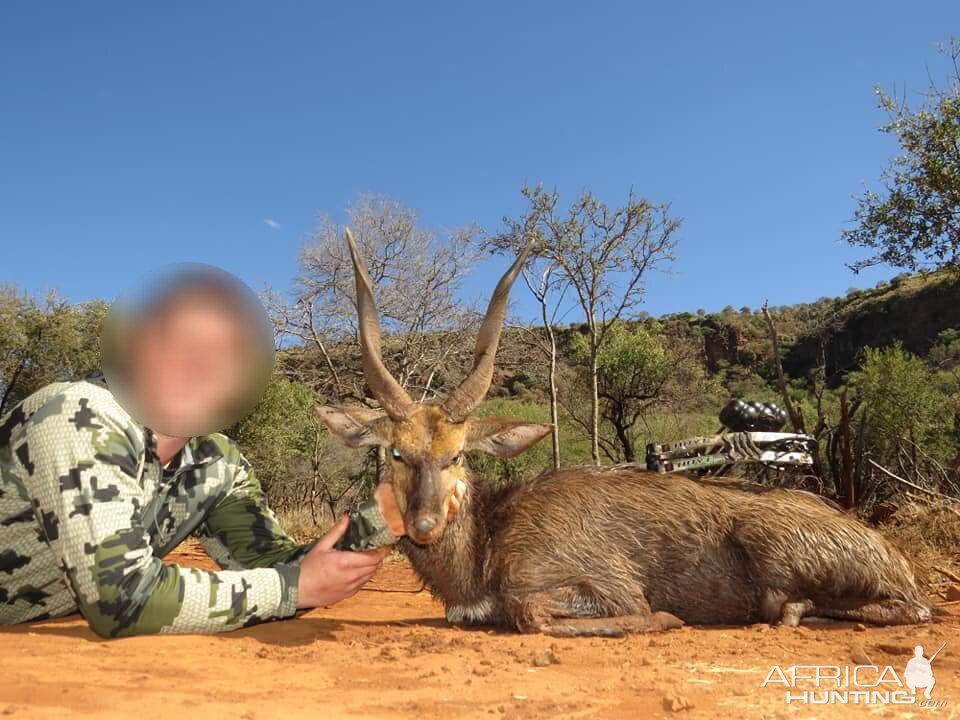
column 277, row 437
column 903, row 402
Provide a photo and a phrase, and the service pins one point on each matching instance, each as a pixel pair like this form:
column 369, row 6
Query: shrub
column 903, row 403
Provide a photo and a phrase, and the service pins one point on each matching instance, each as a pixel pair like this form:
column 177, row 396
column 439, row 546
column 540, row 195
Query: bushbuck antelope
column 603, row 551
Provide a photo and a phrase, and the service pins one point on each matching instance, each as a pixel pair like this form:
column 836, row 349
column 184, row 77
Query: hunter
column 101, row 478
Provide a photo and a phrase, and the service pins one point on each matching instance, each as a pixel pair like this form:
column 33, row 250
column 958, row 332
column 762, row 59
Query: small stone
column 953, row 593
column 859, row 656
column 891, row 649
column 676, row 703
column 859, row 627
column 545, row 659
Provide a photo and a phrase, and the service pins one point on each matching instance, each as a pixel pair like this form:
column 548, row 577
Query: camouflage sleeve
column 90, row 501
column 241, row 532
column 368, row 529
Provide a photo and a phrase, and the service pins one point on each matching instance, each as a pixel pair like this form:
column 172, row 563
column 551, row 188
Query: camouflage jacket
column 87, row 512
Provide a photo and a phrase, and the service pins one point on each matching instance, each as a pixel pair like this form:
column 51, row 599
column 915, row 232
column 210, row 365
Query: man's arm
column 242, row 532
column 89, row 500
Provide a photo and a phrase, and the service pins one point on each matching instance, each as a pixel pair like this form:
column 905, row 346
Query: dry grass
column 300, row 525
column 929, row 535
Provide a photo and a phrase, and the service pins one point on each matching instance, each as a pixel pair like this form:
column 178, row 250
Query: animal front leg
column 617, row 626
column 569, row 612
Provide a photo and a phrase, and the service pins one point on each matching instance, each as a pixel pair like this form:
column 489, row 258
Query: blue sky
column 133, row 134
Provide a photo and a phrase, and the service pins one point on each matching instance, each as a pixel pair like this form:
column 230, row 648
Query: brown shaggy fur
column 621, row 542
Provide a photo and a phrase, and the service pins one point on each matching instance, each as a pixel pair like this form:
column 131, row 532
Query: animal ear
column 356, row 426
column 504, row 437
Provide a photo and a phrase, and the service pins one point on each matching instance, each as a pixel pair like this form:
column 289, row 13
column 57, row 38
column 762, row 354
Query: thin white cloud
column 271, row 223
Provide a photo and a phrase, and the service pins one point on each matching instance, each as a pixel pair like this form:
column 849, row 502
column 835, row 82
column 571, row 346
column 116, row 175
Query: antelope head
column 425, row 443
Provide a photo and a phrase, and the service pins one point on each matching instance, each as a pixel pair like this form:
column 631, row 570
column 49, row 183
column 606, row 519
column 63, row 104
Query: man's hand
column 328, row 576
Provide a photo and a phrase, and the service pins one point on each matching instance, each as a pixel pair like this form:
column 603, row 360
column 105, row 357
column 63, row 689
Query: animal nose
column 425, row 524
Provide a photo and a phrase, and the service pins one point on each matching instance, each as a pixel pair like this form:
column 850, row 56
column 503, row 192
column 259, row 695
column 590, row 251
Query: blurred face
column 195, row 360
column 190, row 364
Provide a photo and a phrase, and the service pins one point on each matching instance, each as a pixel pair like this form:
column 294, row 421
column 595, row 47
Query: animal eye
column 457, row 460
column 395, row 454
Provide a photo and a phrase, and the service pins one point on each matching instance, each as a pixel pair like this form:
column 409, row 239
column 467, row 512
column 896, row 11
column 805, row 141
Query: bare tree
column 549, row 290
column 417, row 277
column 548, row 287
column 603, row 254
column 796, row 417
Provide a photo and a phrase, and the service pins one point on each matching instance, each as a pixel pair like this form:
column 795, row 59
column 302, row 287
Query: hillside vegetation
column 686, row 366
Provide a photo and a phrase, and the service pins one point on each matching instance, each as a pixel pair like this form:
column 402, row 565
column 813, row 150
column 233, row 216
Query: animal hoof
column 793, row 612
column 665, row 621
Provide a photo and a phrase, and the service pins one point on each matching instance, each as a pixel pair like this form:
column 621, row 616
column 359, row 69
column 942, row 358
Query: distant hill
column 912, row 310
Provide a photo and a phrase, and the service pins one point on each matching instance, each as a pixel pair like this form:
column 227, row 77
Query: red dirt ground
column 392, row 655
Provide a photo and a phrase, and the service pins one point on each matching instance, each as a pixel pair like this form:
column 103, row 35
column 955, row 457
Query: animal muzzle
column 426, row 514
column 425, row 528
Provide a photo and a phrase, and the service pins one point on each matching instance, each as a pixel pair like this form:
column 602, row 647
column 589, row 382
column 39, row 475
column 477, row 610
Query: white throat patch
column 476, row 612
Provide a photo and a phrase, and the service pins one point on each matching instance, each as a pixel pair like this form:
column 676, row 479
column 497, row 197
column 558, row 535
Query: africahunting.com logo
column 859, row 684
